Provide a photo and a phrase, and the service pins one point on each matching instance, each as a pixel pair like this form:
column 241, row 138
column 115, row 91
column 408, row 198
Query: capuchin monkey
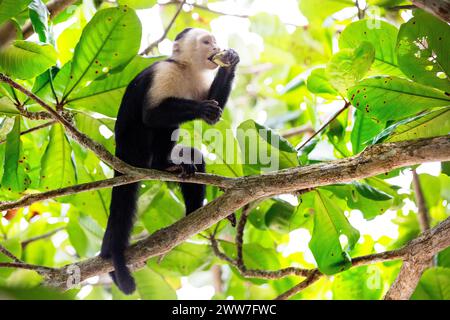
column 184, row 87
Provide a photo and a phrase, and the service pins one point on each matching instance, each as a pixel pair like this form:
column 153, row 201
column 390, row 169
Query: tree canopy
column 319, row 152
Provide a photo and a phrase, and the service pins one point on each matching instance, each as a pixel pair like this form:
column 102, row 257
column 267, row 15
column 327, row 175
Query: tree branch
column 373, row 161
column 422, row 211
column 9, row 254
column 25, row 243
column 440, row 9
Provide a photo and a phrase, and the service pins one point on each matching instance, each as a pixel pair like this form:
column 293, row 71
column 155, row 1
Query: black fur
column 143, row 139
column 182, row 34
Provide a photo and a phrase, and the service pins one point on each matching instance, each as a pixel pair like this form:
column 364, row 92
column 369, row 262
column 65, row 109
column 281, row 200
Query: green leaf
column 391, row 98
column 316, row 13
column 104, row 95
column 422, row 49
column 15, row 167
column 160, row 210
column 369, row 285
column 152, row 286
column 279, row 216
column 431, row 124
column 94, row 203
column 184, row 259
column 39, row 19
column 363, row 131
column 264, row 150
column 57, row 168
column 329, row 224
column 110, row 40
column 100, row 130
column 350, row 65
column 224, row 154
column 26, row 60
column 85, row 234
column 11, row 8
column 8, row 107
column 319, row 83
column 382, row 36
column 366, row 190
column 138, row 4
column 433, row 285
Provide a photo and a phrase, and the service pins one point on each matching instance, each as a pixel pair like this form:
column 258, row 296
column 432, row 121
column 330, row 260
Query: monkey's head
column 194, row 47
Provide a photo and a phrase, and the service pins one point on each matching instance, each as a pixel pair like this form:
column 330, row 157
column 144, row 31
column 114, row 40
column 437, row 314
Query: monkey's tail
column 115, row 241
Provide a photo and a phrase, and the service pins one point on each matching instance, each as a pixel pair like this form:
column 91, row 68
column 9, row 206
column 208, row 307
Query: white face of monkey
column 195, row 48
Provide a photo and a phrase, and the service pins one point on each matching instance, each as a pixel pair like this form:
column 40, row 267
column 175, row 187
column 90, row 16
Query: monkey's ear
column 176, row 47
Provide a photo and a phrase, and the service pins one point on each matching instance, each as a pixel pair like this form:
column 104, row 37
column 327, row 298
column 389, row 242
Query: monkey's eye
column 206, row 42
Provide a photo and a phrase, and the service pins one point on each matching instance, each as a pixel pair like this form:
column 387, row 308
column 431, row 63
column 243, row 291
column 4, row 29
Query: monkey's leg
column 191, row 160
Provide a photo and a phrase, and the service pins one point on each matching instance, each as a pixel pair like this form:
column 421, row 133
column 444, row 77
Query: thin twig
column 240, row 238
column 346, row 105
column 41, row 126
column 25, row 243
column 313, row 277
column 166, row 31
column 9, row 254
column 297, row 131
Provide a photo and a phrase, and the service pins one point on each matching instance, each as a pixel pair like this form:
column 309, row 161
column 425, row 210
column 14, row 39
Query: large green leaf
column 15, row 177
column 104, row 95
column 57, row 168
column 348, row 66
column 382, row 36
column 11, row 8
column 391, row 98
column 264, row 150
column 109, row 40
column 430, row 124
column 152, row 286
column 434, row 285
column 26, row 59
column 422, row 49
column 329, row 224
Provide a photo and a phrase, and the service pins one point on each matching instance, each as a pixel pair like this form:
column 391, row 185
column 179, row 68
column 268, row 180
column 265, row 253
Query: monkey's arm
column 172, row 112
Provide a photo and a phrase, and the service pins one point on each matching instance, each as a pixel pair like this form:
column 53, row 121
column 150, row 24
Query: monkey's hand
column 210, row 111
column 232, row 58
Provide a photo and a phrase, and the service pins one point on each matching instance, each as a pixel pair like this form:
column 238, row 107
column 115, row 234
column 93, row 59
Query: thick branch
column 373, row 161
